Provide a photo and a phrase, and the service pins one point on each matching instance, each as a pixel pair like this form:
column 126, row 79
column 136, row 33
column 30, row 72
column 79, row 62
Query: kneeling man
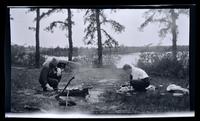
column 50, row 74
column 139, row 79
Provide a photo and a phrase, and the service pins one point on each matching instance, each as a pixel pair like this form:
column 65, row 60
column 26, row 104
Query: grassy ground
column 26, row 91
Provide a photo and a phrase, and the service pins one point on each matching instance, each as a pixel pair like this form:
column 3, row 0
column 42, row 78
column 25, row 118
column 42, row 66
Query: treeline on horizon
column 79, row 51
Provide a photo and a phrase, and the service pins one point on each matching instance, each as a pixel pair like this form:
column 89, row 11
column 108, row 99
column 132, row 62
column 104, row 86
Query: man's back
column 138, row 73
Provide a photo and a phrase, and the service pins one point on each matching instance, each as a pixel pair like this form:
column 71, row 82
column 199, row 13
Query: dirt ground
column 27, row 95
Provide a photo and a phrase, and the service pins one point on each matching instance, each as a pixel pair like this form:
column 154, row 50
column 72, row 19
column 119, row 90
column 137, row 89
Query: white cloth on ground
column 125, row 89
column 173, row 87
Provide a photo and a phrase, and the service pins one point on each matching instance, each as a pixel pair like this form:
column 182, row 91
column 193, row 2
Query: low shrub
column 25, row 59
column 162, row 64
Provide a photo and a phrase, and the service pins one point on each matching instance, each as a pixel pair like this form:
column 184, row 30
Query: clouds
column 130, row 18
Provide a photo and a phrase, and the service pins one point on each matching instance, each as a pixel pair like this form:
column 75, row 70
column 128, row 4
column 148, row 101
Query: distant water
column 130, row 59
column 47, row 57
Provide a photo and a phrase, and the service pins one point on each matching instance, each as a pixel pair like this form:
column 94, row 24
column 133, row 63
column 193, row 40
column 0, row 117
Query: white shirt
column 59, row 72
column 138, row 73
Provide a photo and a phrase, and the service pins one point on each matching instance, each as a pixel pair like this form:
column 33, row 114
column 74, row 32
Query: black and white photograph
column 99, row 61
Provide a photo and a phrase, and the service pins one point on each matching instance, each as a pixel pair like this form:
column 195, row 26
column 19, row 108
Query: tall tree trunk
column 100, row 49
column 70, row 35
column 37, row 52
column 174, row 34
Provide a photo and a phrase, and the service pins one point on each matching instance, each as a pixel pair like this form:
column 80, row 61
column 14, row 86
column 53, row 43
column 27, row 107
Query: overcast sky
column 130, row 18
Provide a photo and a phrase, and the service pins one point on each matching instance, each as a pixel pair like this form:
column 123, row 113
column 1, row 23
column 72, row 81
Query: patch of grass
column 151, row 102
column 146, row 103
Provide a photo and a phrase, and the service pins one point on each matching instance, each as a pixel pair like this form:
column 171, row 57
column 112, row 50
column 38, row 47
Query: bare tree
column 95, row 18
column 167, row 19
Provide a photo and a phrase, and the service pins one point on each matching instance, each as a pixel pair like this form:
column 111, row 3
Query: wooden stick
column 65, row 87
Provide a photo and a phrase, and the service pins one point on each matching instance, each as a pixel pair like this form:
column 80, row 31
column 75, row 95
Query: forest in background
column 79, row 51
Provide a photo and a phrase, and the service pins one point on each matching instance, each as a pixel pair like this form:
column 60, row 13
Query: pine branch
column 146, row 22
column 104, row 19
column 90, row 35
column 110, row 40
column 161, row 20
column 90, row 18
column 54, row 24
column 32, row 28
column 31, row 10
column 115, row 25
column 87, row 12
column 48, row 13
column 184, row 11
column 163, row 32
column 106, row 34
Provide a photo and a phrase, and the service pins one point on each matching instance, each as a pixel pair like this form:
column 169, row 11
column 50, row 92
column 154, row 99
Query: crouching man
column 50, row 74
column 139, row 79
column 54, row 77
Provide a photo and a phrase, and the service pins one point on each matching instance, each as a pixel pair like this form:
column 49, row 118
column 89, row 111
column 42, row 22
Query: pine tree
column 37, row 32
column 67, row 26
column 166, row 18
column 96, row 18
